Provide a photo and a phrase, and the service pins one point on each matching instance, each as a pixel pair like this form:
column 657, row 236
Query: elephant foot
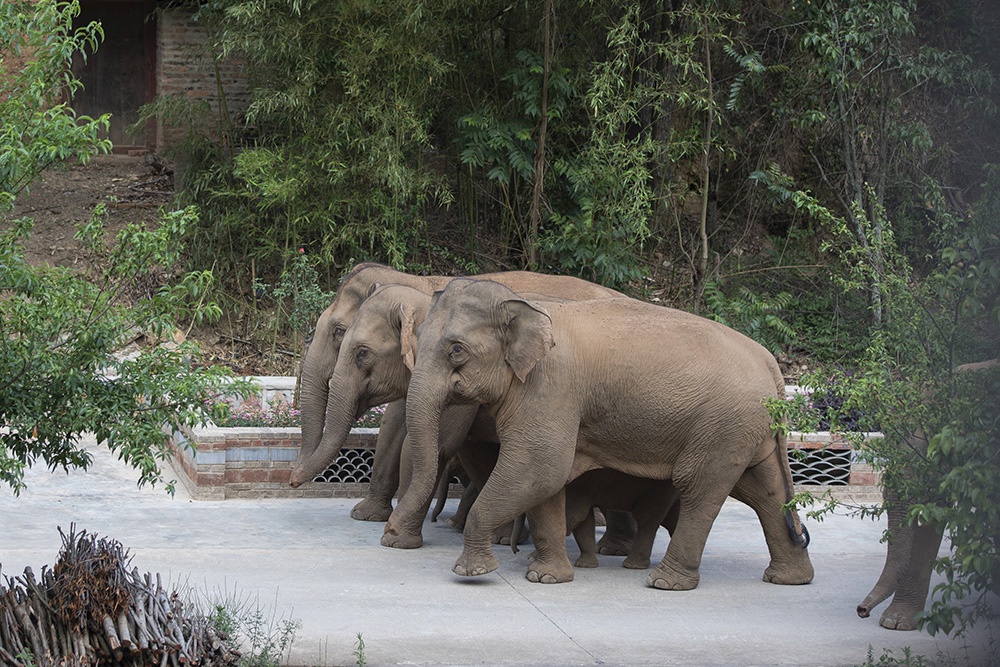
column 668, row 579
column 371, row 510
column 790, row 576
column 899, row 617
column 469, row 566
column 612, row 545
column 457, row 524
column 398, row 539
column 540, row 572
column 586, row 560
column 636, row 563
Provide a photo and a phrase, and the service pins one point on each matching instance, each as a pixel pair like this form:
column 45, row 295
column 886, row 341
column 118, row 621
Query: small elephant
column 613, row 383
column 652, row 502
column 321, row 356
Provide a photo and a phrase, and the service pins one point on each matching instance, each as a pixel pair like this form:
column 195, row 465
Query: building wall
column 185, row 71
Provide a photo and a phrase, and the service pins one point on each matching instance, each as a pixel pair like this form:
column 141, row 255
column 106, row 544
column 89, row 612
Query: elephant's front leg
column 548, row 530
column 911, row 591
column 377, row 503
column 528, row 479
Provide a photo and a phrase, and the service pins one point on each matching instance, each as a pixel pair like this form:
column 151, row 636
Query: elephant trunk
column 897, row 558
column 314, row 396
column 338, row 418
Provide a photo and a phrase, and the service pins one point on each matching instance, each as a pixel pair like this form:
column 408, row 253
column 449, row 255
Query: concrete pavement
column 307, row 560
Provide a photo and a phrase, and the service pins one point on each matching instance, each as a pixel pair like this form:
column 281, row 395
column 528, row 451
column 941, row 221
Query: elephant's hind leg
column 763, row 489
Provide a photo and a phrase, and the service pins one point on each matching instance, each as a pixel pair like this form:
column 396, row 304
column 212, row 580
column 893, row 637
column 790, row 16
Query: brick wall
column 185, row 68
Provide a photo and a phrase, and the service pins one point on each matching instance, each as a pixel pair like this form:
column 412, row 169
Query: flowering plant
column 281, row 414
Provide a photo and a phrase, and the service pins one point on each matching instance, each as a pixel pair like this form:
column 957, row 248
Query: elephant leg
column 377, row 503
column 899, row 548
column 702, row 490
column 761, row 487
column 522, row 483
column 581, row 523
column 469, row 495
column 548, row 525
column 619, row 533
column 911, row 590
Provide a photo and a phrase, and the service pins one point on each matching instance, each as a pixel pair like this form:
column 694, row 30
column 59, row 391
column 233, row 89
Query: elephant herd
column 556, row 395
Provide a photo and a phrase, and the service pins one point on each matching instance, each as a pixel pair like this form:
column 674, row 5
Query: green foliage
column 336, row 133
column 758, row 316
column 37, row 127
column 299, row 297
column 63, row 372
column 264, row 639
column 941, row 447
column 359, row 652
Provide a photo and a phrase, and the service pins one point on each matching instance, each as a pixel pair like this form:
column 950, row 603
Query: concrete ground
column 307, row 560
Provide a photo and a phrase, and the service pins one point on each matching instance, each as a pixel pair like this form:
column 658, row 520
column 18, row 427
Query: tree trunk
column 536, row 198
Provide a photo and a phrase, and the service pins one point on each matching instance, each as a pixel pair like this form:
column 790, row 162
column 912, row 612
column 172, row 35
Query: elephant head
column 320, row 357
column 468, row 355
column 377, row 352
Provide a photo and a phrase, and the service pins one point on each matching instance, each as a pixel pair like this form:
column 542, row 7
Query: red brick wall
column 185, row 67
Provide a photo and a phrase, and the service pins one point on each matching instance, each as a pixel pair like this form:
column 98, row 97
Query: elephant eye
column 338, row 331
column 361, row 355
column 456, row 353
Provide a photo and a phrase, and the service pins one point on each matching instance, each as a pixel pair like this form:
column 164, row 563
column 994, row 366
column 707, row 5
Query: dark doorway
column 121, row 76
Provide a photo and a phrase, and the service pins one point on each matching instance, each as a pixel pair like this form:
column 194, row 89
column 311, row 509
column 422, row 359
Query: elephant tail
column 798, row 533
column 516, row 531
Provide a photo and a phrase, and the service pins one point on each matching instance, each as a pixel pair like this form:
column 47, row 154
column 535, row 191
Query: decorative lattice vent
column 353, row 465
column 828, row 467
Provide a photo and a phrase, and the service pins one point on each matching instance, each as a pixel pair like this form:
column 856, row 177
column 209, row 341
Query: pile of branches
column 89, row 610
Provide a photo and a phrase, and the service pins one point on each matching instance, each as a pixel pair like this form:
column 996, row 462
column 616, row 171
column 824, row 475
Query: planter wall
column 250, row 462
column 246, row 462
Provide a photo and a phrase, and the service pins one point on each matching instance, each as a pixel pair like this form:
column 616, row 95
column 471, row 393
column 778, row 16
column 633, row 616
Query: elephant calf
column 652, row 503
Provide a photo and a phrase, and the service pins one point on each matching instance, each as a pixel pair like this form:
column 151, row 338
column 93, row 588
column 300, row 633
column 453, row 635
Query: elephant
column 321, row 355
column 379, row 347
column 911, row 549
column 652, row 502
column 615, row 383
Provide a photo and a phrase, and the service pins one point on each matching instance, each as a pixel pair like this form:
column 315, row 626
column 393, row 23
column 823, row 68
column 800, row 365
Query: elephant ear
column 528, row 338
column 408, row 334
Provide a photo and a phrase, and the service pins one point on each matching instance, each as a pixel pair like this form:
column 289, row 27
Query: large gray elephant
column 321, row 358
column 911, row 549
column 615, row 383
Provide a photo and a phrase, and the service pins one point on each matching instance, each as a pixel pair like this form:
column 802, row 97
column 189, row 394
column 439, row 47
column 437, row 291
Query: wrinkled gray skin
column 910, row 552
column 616, row 383
column 323, row 421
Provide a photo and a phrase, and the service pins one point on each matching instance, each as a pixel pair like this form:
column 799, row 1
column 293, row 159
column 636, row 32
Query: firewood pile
column 90, row 610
